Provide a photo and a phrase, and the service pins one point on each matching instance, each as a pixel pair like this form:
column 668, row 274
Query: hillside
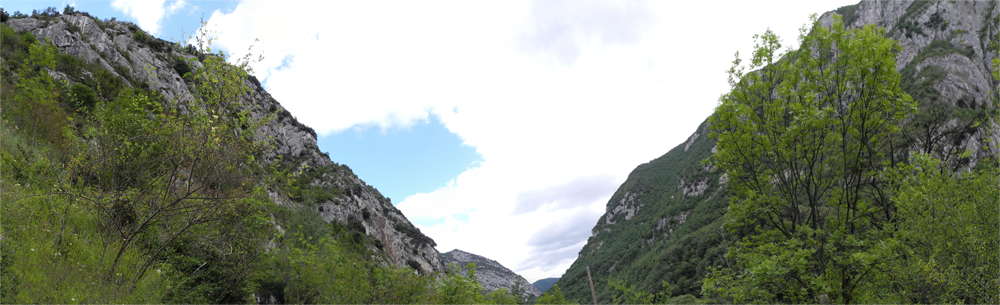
column 492, row 275
column 137, row 170
column 664, row 223
column 130, row 54
column 543, row 285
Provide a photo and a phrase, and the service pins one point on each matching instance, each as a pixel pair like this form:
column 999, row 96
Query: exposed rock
column 694, row 188
column 667, row 224
column 946, row 44
column 627, row 205
column 144, row 61
column 491, row 275
column 690, row 140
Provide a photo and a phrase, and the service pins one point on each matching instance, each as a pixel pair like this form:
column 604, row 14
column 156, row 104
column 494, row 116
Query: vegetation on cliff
column 112, row 193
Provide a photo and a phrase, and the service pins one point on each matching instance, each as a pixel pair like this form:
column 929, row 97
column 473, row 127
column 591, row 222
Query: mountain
column 664, row 223
column 237, row 198
column 142, row 60
column 491, row 275
column 543, row 285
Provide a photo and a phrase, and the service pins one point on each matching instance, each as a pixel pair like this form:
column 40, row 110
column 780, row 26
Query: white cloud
column 148, row 14
column 554, row 95
column 176, row 6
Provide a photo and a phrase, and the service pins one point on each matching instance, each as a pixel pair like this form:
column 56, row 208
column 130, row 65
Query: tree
column 943, row 246
column 553, row 296
column 158, row 170
column 804, row 140
column 459, row 286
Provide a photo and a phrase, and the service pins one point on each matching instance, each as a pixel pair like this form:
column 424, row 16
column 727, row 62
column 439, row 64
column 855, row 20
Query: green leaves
column 553, row 296
column 946, row 235
column 803, row 139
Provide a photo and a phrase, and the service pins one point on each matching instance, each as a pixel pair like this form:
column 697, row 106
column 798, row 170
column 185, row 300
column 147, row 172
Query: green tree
column 944, row 242
column 803, row 140
column 459, row 286
column 501, row 296
column 553, row 296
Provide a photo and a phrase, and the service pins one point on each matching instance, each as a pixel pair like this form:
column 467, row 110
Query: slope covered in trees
column 665, row 229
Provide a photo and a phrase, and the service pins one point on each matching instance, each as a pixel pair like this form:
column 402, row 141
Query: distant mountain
column 492, row 275
column 664, row 223
column 543, row 285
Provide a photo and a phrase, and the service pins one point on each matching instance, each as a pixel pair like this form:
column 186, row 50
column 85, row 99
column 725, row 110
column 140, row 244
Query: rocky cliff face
column 143, row 61
column 664, row 222
column 492, row 275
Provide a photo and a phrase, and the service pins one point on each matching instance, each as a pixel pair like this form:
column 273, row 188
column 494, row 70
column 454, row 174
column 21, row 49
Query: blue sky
column 498, row 127
column 401, row 161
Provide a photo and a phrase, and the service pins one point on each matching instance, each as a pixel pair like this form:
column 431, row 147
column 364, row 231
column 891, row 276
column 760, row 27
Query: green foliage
column 641, row 252
column 182, row 66
column 553, row 296
column 627, row 294
column 31, row 97
column 113, row 194
column 996, row 68
column 319, row 272
column 943, row 247
column 804, row 140
column 83, row 98
column 459, row 286
column 101, row 187
column 154, row 43
column 849, row 13
column 52, row 251
column 301, row 185
column 501, row 296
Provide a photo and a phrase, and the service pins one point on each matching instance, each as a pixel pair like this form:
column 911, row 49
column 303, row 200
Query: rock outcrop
column 491, row 275
column 145, row 61
column 676, row 233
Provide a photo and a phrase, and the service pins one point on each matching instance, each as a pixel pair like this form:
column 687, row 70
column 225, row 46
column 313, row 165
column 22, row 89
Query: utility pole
column 593, row 294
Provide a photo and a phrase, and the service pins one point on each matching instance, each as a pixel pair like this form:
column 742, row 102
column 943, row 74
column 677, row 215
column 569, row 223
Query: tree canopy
column 810, row 140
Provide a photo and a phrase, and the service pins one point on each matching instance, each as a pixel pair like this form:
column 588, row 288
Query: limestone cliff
column 144, row 61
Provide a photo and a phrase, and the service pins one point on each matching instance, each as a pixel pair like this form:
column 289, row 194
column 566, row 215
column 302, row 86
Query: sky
column 500, row 128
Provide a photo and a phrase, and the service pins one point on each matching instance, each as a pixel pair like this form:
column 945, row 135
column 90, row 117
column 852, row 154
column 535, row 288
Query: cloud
column 563, row 27
column 560, row 99
column 176, row 6
column 583, row 189
column 148, row 14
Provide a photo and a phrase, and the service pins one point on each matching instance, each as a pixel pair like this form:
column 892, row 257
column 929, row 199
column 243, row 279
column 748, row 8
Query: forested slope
column 666, row 222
